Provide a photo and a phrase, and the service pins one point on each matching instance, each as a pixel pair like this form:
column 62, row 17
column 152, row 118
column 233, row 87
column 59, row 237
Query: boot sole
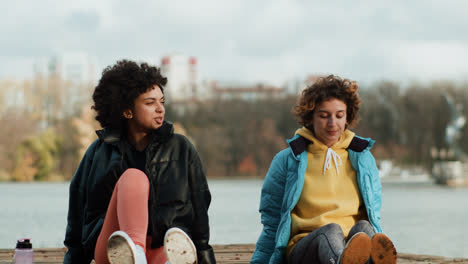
column 383, row 250
column 357, row 250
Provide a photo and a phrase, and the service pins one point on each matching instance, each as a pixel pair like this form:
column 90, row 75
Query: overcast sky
column 247, row 40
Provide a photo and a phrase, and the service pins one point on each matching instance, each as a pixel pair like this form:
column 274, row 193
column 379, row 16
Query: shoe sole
column 383, row 250
column 119, row 251
column 179, row 248
column 357, row 250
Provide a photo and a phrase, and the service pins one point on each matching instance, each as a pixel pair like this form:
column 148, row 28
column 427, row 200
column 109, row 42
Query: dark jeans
column 325, row 244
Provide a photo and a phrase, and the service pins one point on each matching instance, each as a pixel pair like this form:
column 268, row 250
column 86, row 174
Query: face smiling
column 329, row 121
column 148, row 112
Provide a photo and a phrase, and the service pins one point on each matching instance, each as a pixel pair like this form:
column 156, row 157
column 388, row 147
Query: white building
column 78, row 72
column 65, row 82
column 11, row 94
column 76, row 67
column 182, row 78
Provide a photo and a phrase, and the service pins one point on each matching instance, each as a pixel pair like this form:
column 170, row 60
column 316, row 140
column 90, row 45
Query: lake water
column 420, row 218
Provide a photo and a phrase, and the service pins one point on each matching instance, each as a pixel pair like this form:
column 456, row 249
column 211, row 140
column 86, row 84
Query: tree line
column 240, row 138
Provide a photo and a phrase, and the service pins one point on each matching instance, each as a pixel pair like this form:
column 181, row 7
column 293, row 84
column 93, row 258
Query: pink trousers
column 128, row 212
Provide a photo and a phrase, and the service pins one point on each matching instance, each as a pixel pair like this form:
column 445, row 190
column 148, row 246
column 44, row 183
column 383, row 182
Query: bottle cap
column 24, row 243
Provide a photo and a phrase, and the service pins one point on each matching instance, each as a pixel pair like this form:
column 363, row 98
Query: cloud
column 433, row 60
column 82, row 21
column 244, row 40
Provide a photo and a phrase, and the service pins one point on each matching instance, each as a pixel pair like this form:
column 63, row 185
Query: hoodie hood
column 343, row 142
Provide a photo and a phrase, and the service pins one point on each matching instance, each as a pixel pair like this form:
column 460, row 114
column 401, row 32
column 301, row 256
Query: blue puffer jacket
column 283, row 186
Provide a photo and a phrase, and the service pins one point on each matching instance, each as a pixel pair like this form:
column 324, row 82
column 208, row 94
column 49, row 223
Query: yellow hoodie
column 330, row 193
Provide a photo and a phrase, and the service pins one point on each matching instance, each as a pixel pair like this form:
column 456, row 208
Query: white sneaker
column 122, row 250
column 179, row 248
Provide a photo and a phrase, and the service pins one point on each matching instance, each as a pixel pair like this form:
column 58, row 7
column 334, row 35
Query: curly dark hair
column 324, row 89
column 118, row 88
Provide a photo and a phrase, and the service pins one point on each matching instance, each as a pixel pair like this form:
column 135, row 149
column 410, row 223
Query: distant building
column 245, row 92
column 182, row 78
column 297, row 85
column 74, row 67
column 63, row 83
column 11, row 94
column 78, row 71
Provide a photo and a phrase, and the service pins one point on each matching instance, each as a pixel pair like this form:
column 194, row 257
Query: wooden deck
column 225, row 254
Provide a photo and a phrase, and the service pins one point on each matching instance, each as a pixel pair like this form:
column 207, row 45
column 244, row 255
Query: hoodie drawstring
column 336, row 158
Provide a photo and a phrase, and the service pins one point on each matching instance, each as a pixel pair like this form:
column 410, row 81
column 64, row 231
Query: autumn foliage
column 233, row 137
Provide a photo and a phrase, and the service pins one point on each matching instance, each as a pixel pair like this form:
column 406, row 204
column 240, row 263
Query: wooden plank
column 225, row 254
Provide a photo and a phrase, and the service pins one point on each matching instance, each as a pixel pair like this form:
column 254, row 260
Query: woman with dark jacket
column 321, row 197
column 140, row 193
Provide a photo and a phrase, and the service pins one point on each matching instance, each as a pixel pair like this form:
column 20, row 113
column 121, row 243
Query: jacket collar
column 113, row 137
column 163, row 133
column 298, row 144
column 109, row 136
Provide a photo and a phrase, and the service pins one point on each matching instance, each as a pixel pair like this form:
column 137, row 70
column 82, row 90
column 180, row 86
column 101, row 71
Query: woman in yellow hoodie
column 321, row 197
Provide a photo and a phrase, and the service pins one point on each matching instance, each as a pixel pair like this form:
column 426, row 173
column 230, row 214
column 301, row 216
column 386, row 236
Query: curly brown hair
column 118, row 88
column 324, row 89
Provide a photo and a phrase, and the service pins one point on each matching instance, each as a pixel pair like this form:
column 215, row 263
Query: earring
column 128, row 116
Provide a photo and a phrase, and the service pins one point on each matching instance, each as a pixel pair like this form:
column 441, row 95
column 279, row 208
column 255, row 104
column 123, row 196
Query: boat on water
column 394, row 174
column 450, row 166
column 450, row 173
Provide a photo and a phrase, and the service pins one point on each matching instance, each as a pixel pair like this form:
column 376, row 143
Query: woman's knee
column 134, row 178
column 332, row 231
column 362, row 226
column 333, row 228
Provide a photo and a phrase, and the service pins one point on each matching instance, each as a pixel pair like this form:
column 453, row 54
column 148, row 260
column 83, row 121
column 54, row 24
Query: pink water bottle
column 24, row 253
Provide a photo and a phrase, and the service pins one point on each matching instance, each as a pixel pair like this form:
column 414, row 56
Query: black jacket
column 179, row 194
